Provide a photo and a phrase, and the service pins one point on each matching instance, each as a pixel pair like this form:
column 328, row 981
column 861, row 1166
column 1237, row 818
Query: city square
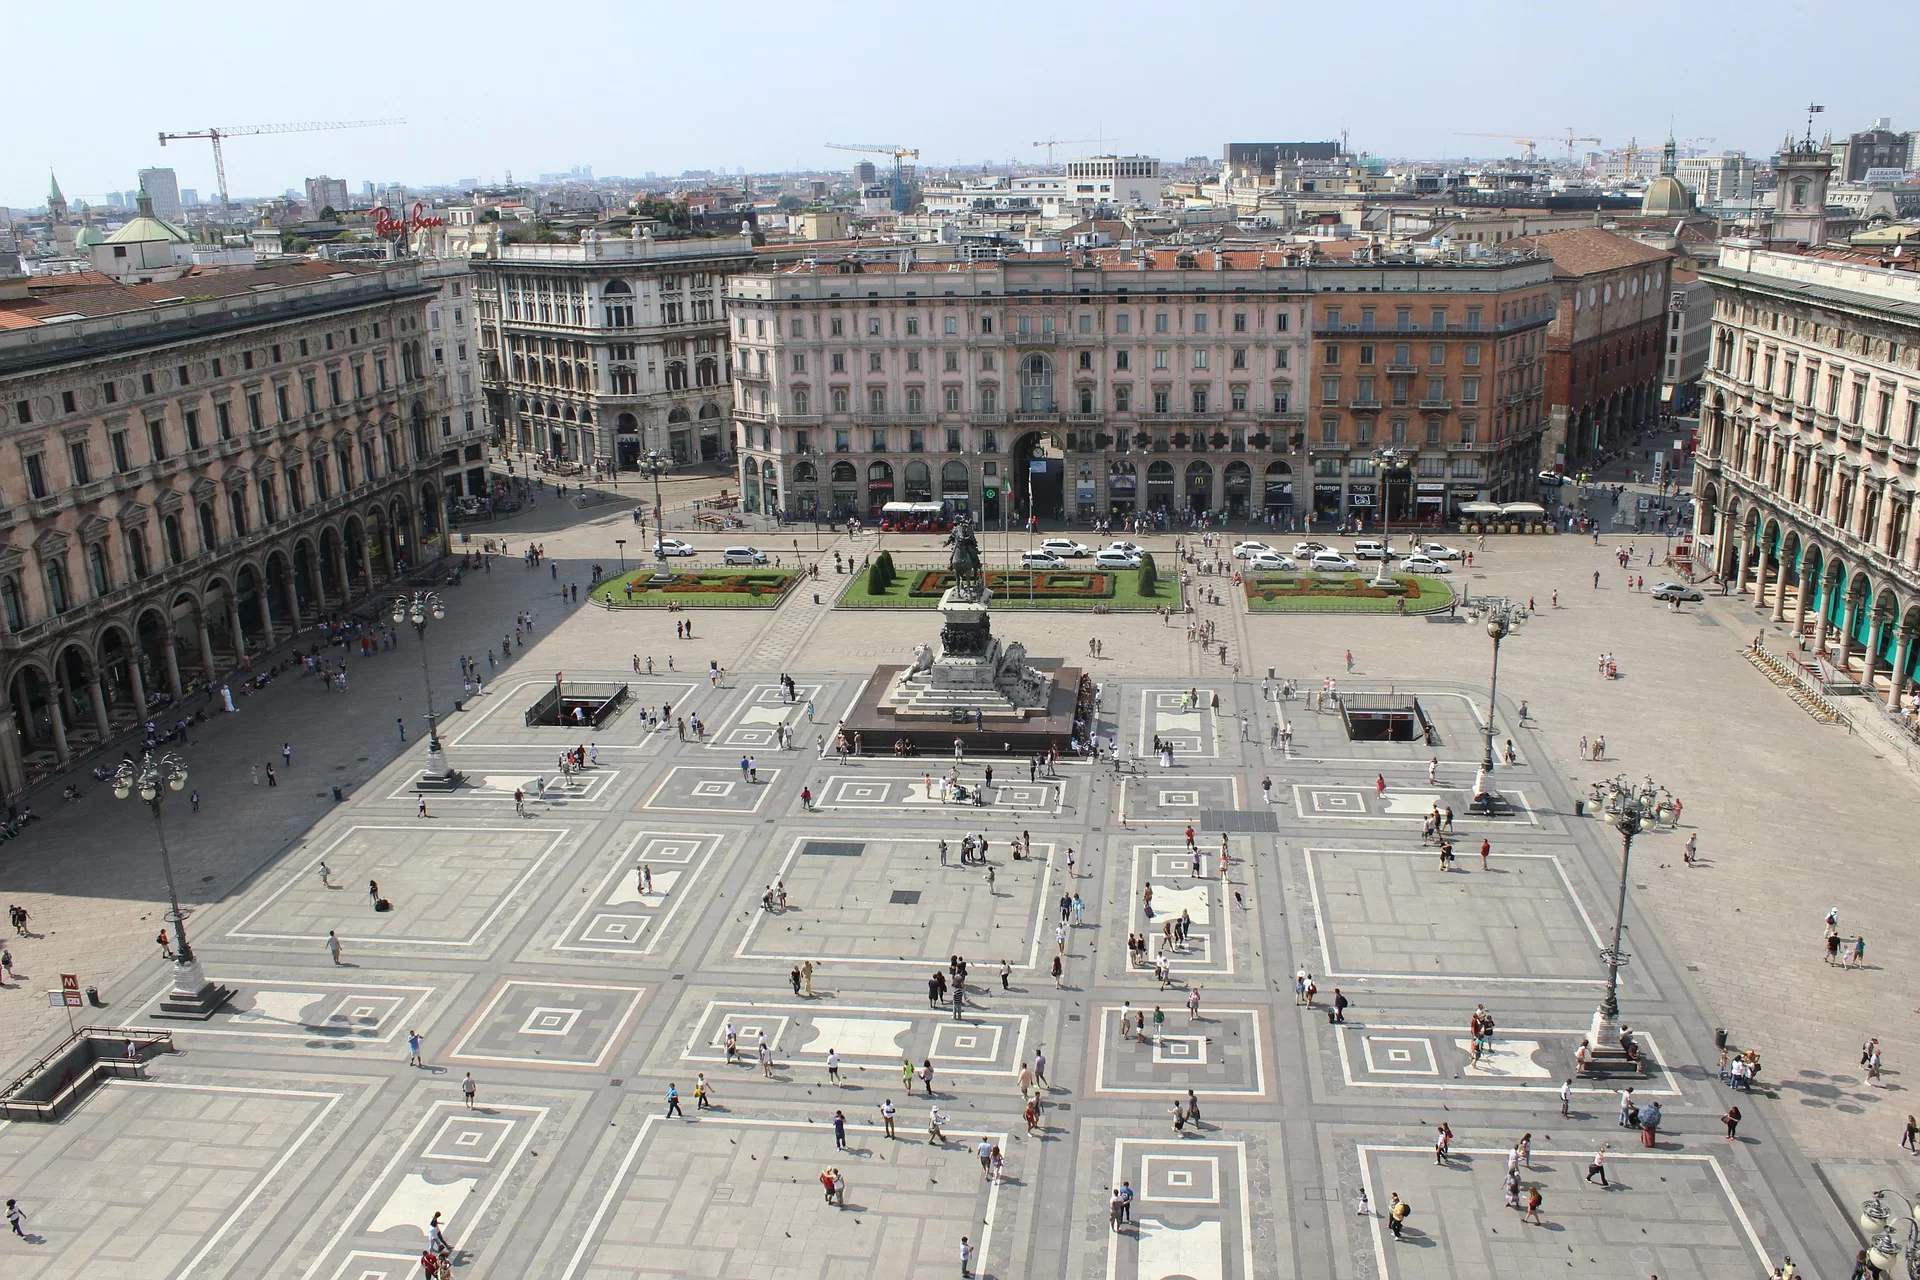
column 614, row 939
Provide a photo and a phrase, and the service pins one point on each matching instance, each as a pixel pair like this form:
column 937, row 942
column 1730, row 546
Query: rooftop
column 1590, row 250
column 88, row 294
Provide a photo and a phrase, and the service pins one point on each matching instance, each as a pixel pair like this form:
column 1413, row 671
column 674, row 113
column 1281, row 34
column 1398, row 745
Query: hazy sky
column 489, row 87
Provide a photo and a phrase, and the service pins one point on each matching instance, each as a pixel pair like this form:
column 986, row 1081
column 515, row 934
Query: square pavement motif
column 839, row 907
column 1666, row 1213
column 1221, row 1054
column 1169, row 869
column 450, row 887
column 172, row 1167
column 1408, row 803
column 324, row 1015
column 1392, row 914
column 753, row 722
column 1177, row 798
column 622, row 915
column 867, row 1037
column 1179, row 717
column 1524, row 1059
column 710, row 789
column 1191, row 1212
column 725, row 1196
column 548, row 1024
column 866, row 793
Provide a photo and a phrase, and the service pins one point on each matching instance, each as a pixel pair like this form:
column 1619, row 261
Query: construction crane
column 242, row 130
column 1528, row 143
column 900, row 156
column 1051, row 143
column 1571, row 140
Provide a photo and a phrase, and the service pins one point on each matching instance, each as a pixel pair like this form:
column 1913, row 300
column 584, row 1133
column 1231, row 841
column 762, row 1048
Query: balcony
column 1037, row 415
column 1036, row 339
column 986, row 419
column 1440, row 406
column 1460, row 447
column 1368, row 405
column 1852, row 432
column 797, row 419
column 1404, row 370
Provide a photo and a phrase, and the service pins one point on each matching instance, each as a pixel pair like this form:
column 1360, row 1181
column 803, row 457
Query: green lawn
column 1343, row 593
column 1126, row 597
column 697, row 589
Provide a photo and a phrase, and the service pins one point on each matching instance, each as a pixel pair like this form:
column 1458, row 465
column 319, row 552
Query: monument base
column 1003, row 731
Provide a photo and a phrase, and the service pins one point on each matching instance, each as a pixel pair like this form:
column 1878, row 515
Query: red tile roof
column 1589, row 251
column 88, row 293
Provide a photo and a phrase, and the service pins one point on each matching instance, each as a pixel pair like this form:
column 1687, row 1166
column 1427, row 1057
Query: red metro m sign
column 385, row 224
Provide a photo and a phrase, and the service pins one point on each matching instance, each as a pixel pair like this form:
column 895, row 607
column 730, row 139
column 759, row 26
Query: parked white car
column 1244, row 550
column 1066, row 548
column 1418, row 563
column 1333, row 562
column 1129, row 548
column 1112, row 558
column 1441, row 551
column 1270, row 561
column 675, row 547
column 1041, row 560
column 1308, row 550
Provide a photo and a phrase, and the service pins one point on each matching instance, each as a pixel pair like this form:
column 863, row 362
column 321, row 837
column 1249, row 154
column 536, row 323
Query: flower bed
column 1045, row 584
column 749, row 588
column 1344, row 593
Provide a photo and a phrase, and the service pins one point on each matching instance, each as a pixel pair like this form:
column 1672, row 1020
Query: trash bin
column 337, row 796
column 1579, row 806
column 1719, row 1037
column 93, row 997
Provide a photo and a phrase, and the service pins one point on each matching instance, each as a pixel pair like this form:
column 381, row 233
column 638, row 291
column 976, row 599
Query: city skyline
column 842, row 78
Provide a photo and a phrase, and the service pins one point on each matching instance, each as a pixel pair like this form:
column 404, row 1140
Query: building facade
column 453, row 360
column 190, row 472
column 1111, row 382
column 326, row 193
column 597, row 352
column 1809, row 446
column 1605, row 348
column 1688, row 341
column 163, row 188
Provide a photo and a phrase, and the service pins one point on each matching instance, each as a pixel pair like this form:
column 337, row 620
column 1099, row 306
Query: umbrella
column 1523, row 509
column 1480, row 509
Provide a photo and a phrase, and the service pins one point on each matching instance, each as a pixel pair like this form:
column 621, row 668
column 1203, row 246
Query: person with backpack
column 1397, row 1212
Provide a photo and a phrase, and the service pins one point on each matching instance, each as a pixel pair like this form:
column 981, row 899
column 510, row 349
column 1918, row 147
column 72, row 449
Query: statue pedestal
column 974, row 675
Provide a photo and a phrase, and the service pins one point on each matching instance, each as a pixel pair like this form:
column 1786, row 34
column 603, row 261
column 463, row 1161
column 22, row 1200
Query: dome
column 1667, row 195
column 88, row 236
column 147, row 228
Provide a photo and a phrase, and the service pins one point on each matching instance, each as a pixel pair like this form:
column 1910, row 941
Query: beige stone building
column 191, row 471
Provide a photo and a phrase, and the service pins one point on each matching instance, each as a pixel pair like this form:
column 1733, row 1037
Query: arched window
column 57, row 599
column 707, row 373
column 805, row 473
column 12, row 603
column 843, row 473
column 802, row 402
column 97, row 568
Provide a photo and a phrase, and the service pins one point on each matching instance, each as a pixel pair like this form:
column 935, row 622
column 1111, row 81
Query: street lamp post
column 1386, row 458
column 193, row 994
column 622, row 544
column 654, row 465
column 1502, row 617
column 1884, row 1248
column 1628, row 807
column 421, row 608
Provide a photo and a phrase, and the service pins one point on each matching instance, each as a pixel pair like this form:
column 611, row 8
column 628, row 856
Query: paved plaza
column 611, row 941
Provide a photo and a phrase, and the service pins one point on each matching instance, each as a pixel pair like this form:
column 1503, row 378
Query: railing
column 1436, row 404
column 80, row 1077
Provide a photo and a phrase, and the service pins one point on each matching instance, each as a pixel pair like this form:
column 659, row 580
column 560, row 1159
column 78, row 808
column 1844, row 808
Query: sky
column 490, row 88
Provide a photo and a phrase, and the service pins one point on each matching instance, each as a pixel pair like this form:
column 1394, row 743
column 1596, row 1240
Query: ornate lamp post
column 193, row 995
column 420, row 608
column 622, row 544
column 1629, row 808
column 1502, row 618
column 1884, row 1249
column 655, row 465
column 1386, row 458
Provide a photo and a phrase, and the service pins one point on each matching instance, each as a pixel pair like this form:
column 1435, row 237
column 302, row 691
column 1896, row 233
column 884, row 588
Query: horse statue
column 966, row 559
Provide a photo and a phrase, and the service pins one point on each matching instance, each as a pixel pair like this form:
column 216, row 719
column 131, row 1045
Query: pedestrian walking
column 1486, row 847
column 886, row 1116
column 840, row 1131
column 400, row 722
column 468, row 1089
column 421, row 810
column 1732, row 1120
column 333, row 945
column 833, row 1066
column 1397, row 1212
column 254, row 769
column 1566, row 1097
column 15, row 1217
column 966, row 1259
column 673, row 1104
column 1040, row 1071
column 1910, row 1136
column 1597, row 1167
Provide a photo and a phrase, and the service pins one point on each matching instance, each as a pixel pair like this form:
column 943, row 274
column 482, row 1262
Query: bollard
column 337, row 796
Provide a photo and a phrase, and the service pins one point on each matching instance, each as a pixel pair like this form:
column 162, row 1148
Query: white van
column 744, row 555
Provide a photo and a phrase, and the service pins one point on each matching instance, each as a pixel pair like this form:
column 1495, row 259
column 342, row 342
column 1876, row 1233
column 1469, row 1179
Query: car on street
column 1553, row 479
column 1066, row 548
column 1677, row 591
column 744, row 555
column 1114, row 558
column 1041, row 560
column 1333, row 562
column 1243, row 550
column 675, row 547
column 1271, row 560
column 1308, row 550
column 1440, row 551
column 1129, row 548
column 1418, row 563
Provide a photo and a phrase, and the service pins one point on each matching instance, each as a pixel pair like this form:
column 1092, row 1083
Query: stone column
column 58, row 720
column 233, row 624
column 1849, row 609
column 1800, row 599
column 173, row 664
column 1740, row 572
column 100, row 719
column 265, row 596
column 13, row 772
column 340, row 573
column 1780, row 591
column 206, row 647
column 139, row 687
column 1821, row 624
column 1903, row 662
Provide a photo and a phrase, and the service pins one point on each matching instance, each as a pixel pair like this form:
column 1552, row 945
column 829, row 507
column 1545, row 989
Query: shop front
column 1326, row 501
column 1122, row 488
column 1429, row 500
column 1277, row 491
